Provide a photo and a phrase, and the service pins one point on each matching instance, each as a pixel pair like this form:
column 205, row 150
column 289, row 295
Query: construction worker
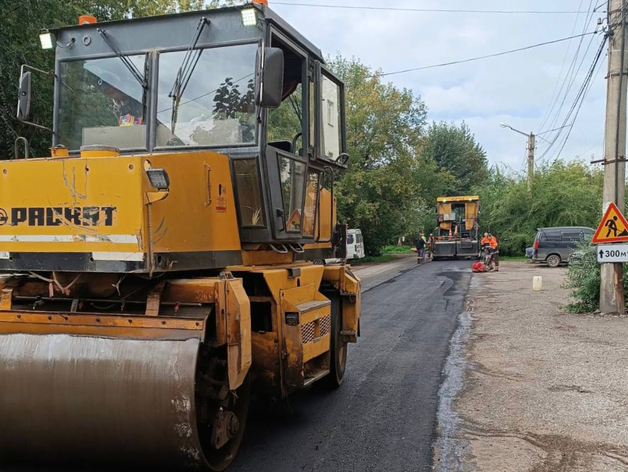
column 430, row 246
column 419, row 243
column 494, row 244
column 485, row 240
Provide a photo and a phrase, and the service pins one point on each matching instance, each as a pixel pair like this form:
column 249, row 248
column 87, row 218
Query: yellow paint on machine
column 199, row 213
column 64, row 188
column 106, row 204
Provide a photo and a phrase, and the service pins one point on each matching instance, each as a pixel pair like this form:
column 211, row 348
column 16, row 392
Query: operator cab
column 235, row 81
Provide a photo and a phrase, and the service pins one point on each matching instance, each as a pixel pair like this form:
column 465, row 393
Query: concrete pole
column 531, row 148
column 612, row 286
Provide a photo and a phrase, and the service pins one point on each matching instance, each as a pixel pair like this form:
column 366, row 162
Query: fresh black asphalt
column 383, row 418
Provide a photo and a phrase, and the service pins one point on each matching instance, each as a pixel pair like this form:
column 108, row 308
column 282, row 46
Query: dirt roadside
column 541, row 390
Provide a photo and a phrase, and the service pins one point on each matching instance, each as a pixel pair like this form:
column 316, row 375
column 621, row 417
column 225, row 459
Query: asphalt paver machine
column 457, row 232
column 159, row 265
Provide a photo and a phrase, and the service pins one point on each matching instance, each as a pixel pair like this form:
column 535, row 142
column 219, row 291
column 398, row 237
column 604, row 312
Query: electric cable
column 432, row 10
column 479, row 58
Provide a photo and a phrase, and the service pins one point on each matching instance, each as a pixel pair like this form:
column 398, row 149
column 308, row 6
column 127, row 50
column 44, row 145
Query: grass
column 373, row 259
column 396, row 250
column 514, row 258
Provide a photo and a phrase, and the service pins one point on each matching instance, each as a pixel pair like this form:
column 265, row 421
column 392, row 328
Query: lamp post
column 531, row 146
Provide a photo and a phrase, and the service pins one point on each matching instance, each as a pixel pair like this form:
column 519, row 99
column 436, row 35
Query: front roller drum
column 69, row 399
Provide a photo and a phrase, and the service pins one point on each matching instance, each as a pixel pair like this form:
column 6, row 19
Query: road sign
column 612, row 253
column 613, row 228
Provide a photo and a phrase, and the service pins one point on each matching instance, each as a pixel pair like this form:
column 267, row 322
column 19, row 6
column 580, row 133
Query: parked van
column 355, row 244
column 555, row 245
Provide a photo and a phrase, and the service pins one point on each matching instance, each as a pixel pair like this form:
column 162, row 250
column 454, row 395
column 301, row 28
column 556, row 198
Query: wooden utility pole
column 531, row 148
column 612, row 286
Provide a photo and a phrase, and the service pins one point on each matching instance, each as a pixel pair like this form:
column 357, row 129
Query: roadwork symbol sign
column 613, row 228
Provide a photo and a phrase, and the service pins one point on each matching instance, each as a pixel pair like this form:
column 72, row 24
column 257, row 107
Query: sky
column 518, row 89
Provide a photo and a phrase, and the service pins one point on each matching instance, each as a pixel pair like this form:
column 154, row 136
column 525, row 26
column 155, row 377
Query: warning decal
column 613, row 228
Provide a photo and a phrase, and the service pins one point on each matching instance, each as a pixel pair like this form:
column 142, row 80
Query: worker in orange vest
column 494, row 244
column 485, row 240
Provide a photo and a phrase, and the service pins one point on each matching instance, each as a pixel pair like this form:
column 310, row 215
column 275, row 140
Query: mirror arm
column 39, row 126
column 48, row 73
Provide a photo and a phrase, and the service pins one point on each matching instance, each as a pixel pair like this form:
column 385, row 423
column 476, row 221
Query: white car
column 355, row 244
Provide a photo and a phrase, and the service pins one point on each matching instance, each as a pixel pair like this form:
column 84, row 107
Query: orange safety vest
column 493, row 242
column 485, row 241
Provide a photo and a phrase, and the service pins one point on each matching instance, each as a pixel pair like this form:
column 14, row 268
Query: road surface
column 375, row 274
column 384, row 416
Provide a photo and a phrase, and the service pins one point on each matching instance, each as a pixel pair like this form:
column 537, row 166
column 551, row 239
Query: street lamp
column 531, row 145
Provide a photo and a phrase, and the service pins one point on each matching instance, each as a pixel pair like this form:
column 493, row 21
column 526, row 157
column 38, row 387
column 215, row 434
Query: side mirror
column 272, row 80
column 24, row 100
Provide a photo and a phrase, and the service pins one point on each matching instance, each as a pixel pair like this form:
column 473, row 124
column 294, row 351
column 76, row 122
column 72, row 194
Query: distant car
column 530, row 252
column 555, row 246
column 355, row 244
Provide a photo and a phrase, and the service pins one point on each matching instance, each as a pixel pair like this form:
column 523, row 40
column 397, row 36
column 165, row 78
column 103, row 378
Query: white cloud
column 517, row 88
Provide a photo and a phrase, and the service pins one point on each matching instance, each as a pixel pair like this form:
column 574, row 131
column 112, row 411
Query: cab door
column 291, row 183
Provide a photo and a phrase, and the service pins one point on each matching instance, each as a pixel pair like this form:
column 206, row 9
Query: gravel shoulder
column 542, row 390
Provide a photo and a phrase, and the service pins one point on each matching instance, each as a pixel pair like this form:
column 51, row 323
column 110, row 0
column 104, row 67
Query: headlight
column 249, row 17
column 47, row 41
column 158, row 178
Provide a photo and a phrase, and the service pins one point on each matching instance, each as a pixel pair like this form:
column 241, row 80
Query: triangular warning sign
column 613, row 228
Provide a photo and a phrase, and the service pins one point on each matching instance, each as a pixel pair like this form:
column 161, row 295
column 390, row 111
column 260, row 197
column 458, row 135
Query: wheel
column 338, row 358
column 222, row 419
column 553, row 260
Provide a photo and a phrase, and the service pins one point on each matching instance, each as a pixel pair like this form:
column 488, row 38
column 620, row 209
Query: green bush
column 583, row 278
column 563, row 194
column 396, row 250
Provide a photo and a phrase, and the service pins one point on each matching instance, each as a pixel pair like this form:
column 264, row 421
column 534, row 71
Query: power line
column 568, row 82
column 584, row 90
column 478, row 58
column 569, row 122
column 433, row 10
column 557, row 91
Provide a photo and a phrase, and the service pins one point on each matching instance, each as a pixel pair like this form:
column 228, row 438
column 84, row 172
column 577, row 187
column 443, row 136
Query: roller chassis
column 188, row 351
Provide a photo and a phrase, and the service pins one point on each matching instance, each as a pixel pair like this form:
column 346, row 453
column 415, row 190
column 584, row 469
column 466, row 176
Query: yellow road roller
column 177, row 249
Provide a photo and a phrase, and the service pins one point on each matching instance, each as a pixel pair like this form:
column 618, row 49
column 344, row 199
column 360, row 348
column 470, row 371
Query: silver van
column 555, row 245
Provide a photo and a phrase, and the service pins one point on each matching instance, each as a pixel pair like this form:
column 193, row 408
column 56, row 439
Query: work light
column 158, row 178
column 47, row 40
column 249, row 18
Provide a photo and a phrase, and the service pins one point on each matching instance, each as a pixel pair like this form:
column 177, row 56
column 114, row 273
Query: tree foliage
column 454, row 149
column 388, row 182
column 563, row 194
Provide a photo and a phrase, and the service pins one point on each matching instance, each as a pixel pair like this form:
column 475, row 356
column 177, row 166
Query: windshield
column 216, row 106
column 101, row 102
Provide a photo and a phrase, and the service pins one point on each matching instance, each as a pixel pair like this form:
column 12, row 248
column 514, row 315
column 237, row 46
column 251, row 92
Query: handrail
column 16, row 147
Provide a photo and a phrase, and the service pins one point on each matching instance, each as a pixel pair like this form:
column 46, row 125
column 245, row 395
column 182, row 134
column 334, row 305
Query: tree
column 19, row 43
column 455, row 149
column 388, row 184
column 563, row 194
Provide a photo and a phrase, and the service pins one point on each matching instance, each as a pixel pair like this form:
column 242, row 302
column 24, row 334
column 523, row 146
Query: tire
column 338, row 357
column 553, row 260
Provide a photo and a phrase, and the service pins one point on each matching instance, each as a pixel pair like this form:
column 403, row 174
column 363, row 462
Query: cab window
column 101, row 102
column 249, row 192
column 287, row 123
column 292, row 174
column 311, row 201
column 331, row 119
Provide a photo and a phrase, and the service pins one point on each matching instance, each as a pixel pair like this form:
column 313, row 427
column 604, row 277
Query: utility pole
column 531, row 147
column 612, row 285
